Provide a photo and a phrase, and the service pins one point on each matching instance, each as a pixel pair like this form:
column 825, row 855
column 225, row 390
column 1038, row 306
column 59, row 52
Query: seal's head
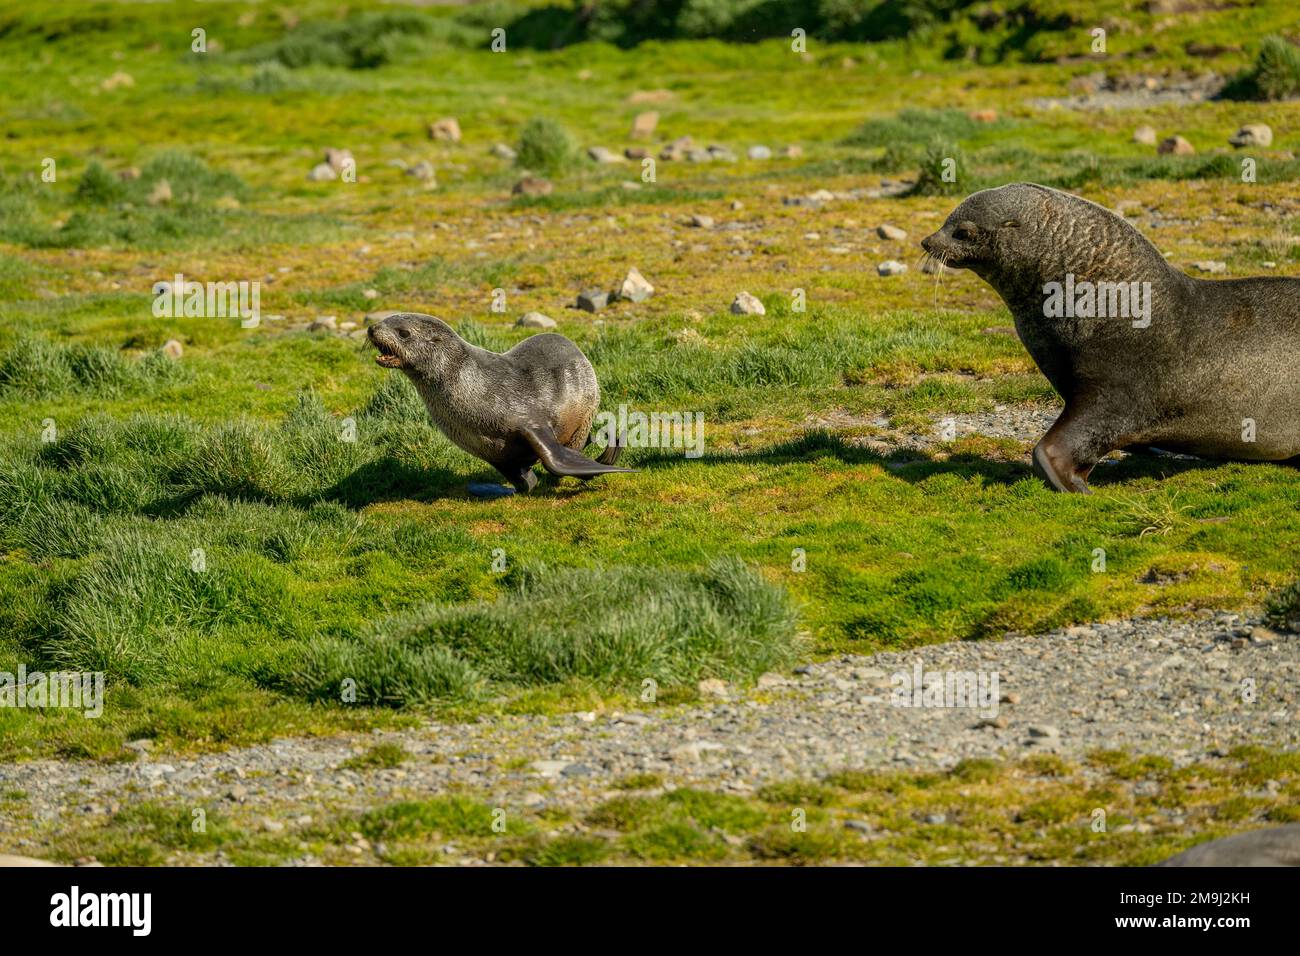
column 417, row 344
column 991, row 227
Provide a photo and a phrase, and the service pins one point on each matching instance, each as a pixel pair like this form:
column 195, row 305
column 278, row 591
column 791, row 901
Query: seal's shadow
column 916, row 466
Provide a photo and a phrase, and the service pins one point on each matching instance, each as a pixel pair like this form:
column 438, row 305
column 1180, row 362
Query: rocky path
column 1181, row 689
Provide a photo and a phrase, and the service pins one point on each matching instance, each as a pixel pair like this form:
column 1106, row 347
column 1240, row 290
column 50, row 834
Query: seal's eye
column 1011, row 224
column 964, row 233
column 404, row 333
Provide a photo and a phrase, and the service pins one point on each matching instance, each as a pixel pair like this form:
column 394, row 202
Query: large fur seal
column 1143, row 354
column 534, row 402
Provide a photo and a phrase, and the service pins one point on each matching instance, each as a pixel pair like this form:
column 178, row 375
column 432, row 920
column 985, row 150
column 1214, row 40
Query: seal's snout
column 928, row 243
column 381, row 337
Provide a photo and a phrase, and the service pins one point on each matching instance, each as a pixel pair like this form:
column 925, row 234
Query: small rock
column 423, row 171
column 636, row 152
column 129, row 174
column 502, row 151
column 643, row 126
column 1252, row 134
column 322, row 172
column 593, row 300
column 326, row 323
column 272, row 826
column 373, row 318
column 887, row 231
column 161, row 193
column 635, row 288
column 600, row 154
column 445, row 130
column 533, row 186
column 370, row 294
column 1175, row 146
column 339, row 159
column 746, row 304
column 173, row 350
column 891, row 267
column 701, row 222
column 936, row 819
column 861, row 826
column 985, row 116
column 792, row 152
column 535, row 320
column 1210, row 265
column 713, row 687
column 650, row 96
column 1044, row 730
column 1146, row 135
column 118, row 80
column 549, row 768
column 759, row 152
column 693, row 752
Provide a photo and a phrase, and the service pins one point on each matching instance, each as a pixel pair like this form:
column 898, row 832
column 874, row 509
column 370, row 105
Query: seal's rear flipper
column 559, row 460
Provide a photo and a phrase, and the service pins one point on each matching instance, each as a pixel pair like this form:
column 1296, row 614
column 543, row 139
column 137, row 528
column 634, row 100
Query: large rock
column 746, row 304
column 1146, row 135
column 1274, row 846
column 9, row 859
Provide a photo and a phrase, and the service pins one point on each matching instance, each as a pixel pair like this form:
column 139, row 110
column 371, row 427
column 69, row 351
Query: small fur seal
column 1142, row 353
column 534, row 402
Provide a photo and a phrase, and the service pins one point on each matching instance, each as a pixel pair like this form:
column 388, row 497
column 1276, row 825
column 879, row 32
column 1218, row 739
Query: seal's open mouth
column 386, row 357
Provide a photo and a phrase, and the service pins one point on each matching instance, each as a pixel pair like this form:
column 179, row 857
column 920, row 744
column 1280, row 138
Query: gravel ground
column 1172, row 688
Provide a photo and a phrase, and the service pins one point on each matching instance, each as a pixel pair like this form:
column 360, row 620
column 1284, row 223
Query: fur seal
column 534, row 402
column 1142, row 353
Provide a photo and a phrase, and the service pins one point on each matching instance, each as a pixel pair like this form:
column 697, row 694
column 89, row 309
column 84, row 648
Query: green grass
column 327, row 560
column 1039, row 810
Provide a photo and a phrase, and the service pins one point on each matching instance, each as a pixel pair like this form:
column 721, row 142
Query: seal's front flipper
column 560, row 460
column 1057, row 478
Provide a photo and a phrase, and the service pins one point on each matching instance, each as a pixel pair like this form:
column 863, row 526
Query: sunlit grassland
column 316, row 547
